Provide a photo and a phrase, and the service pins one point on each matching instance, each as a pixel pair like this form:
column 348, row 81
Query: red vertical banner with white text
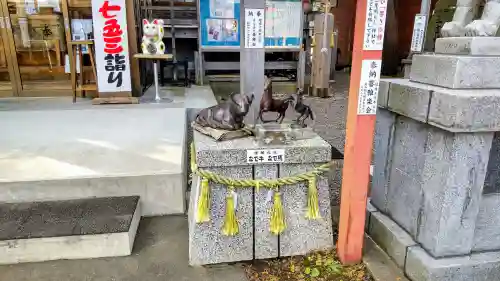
column 363, row 94
column 111, row 46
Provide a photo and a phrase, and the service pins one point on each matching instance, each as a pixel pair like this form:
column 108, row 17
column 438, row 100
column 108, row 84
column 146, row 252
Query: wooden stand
column 77, row 50
column 322, row 55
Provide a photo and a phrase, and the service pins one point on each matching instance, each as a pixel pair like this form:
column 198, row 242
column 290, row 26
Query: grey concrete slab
column 487, row 231
column 409, row 99
column 465, row 110
column 303, row 235
column 420, row 266
column 404, row 193
column 233, row 152
column 160, row 253
column 379, row 263
column 390, row 237
column 492, row 182
column 457, row 72
column 452, row 182
column 77, row 229
column 383, row 92
column 476, row 46
column 382, row 158
column 265, row 243
column 207, row 243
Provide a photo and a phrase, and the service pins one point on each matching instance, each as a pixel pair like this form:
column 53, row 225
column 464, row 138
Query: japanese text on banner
column 368, row 87
column 376, row 12
column 417, row 40
column 111, row 46
column 254, row 28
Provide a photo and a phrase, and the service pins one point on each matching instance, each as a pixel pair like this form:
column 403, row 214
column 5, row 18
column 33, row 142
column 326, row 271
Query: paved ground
column 161, row 247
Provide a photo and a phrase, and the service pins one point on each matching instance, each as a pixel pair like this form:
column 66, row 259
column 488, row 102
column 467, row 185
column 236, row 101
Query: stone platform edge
column 448, row 109
column 71, row 247
column 418, row 265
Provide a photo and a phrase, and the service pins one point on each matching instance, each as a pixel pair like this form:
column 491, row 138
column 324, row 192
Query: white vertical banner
column 376, row 12
column 369, row 86
column 111, row 46
column 417, row 40
column 254, row 28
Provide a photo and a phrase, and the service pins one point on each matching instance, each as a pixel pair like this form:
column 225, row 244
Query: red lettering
column 106, row 8
column 112, row 29
column 113, row 48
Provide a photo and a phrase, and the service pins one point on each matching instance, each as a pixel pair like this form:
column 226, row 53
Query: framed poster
column 219, row 23
column 283, row 24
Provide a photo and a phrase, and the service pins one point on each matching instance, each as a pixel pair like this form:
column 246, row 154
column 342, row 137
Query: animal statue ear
column 155, row 21
column 145, row 21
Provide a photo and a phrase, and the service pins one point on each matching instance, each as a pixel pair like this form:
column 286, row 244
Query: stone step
column 454, row 110
column 476, row 46
column 456, row 71
column 72, row 229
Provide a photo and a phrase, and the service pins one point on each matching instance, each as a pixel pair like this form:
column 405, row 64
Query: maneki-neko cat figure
column 152, row 40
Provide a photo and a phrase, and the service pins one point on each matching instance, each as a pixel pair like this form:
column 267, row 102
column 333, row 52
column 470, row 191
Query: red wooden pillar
column 365, row 76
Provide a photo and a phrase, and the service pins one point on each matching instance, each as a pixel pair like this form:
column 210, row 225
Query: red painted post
column 365, row 77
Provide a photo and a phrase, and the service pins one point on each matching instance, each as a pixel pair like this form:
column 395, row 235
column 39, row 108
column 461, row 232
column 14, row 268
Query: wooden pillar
column 322, row 53
column 252, row 53
column 363, row 91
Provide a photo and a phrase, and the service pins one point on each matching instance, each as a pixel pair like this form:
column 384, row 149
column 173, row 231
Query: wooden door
column 35, row 34
column 8, row 83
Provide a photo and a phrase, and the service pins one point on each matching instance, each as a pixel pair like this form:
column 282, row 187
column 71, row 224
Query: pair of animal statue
column 230, row 114
column 466, row 23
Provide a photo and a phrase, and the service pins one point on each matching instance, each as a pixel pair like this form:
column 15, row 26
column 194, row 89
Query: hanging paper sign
column 417, row 39
column 376, row 12
column 254, row 28
column 265, row 156
column 368, row 87
column 111, row 46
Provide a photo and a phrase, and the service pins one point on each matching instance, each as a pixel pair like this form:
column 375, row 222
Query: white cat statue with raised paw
column 152, row 43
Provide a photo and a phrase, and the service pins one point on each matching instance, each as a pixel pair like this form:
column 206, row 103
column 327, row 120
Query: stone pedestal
column 207, row 244
column 436, row 176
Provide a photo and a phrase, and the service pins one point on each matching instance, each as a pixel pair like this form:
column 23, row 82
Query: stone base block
column 476, row 46
column 457, row 72
column 74, row 229
column 453, row 110
column 207, row 244
column 418, row 265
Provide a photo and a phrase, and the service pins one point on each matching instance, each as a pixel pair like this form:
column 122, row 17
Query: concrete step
column 71, row 229
column 50, row 155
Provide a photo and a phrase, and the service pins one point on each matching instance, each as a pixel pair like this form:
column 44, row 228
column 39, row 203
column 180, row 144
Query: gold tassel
column 277, row 224
column 230, row 227
column 312, row 200
column 203, row 212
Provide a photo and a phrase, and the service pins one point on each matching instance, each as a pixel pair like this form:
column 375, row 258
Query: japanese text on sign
column 111, row 47
column 265, row 156
column 417, row 40
column 254, row 28
column 368, row 87
column 376, row 12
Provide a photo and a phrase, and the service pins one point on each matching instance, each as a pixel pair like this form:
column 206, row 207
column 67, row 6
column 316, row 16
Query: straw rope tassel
column 312, row 200
column 203, row 212
column 277, row 224
column 230, row 227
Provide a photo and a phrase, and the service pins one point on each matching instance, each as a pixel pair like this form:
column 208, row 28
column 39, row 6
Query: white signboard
column 417, row 40
column 368, row 87
column 376, row 11
column 265, row 156
column 254, row 28
column 111, row 46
